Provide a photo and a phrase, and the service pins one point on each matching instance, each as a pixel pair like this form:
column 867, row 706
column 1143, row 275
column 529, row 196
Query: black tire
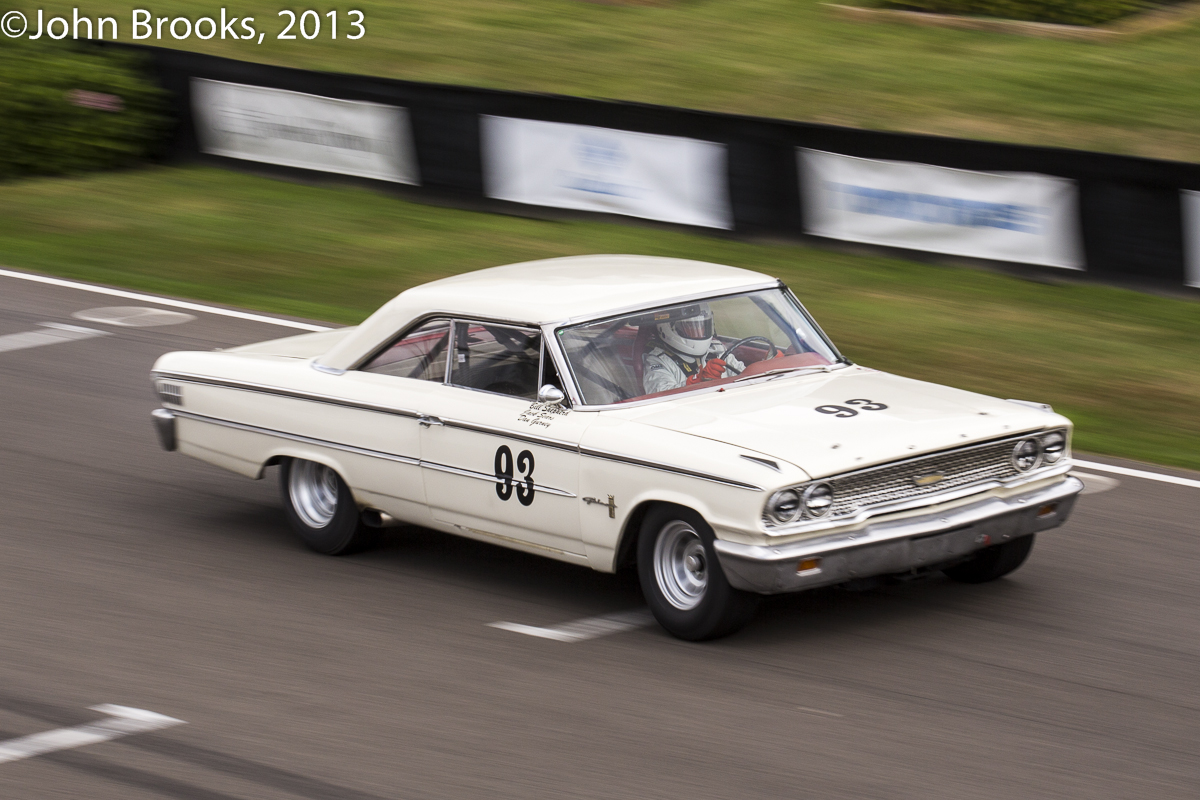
column 713, row 608
column 343, row 532
column 992, row 562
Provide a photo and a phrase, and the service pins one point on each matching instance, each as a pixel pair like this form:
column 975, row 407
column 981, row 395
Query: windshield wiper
column 774, row 373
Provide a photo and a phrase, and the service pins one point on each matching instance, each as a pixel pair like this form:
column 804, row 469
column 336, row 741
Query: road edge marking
column 163, row 301
column 121, row 721
column 1138, row 473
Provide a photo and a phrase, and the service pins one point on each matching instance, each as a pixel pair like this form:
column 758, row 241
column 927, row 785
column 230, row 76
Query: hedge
column 1067, row 12
column 72, row 108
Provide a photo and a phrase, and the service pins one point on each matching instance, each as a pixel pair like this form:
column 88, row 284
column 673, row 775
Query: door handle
column 426, row 421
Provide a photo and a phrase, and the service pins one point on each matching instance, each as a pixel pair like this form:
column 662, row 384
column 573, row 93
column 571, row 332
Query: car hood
column 778, row 418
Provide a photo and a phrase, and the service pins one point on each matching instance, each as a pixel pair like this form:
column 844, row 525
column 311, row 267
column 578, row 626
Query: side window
column 496, row 358
column 420, row 354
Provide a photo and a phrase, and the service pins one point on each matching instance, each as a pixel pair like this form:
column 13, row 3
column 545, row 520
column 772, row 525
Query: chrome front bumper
column 896, row 546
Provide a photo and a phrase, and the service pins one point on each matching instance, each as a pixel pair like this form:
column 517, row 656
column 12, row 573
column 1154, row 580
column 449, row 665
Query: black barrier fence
column 1131, row 222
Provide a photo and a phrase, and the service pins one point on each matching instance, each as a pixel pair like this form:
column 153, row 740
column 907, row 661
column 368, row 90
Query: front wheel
column 321, row 508
column 682, row 579
column 992, row 562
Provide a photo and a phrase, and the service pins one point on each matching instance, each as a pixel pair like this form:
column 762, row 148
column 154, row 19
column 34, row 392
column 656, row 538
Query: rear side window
column 496, row 358
column 420, row 353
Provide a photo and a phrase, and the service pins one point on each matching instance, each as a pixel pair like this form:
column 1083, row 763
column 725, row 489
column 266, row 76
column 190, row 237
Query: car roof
column 548, row 291
column 579, row 287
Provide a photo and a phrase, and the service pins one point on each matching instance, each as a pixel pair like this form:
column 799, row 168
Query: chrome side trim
column 514, row 540
column 295, row 437
column 667, row 468
column 334, row 401
column 557, row 444
column 260, row 388
column 532, row 439
column 362, row 451
column 483, row 476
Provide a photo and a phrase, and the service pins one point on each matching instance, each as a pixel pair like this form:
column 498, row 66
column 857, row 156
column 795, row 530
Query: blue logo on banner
column 601, row 153
column 937, row 209
column 602, row 158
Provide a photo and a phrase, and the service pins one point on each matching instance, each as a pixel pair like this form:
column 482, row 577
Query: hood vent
column 766, row 462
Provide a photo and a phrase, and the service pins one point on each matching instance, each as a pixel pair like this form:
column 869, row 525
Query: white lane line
column 583, row 629
column 122, row 721
column 1139, row 473
column 818, row 711
column 57, row 333
column 1095, row 484
column 162, row 301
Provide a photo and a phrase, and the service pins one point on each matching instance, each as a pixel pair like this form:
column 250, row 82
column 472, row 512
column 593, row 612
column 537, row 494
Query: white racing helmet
column 689, row 330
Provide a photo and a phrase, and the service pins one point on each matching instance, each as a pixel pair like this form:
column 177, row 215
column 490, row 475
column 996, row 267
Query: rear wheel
column 321, row 508
column 992, row 562
column 682, row 579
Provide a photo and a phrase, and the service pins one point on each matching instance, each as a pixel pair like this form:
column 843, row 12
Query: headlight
column 1027, row 454
column 1054, row 447
column 818, row 500
column 784, row 506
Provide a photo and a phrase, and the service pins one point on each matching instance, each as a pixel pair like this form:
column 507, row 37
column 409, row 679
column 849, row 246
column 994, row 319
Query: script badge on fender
column 929, row 480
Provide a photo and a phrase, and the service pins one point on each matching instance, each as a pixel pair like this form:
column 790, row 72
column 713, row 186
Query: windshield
column 692, row 346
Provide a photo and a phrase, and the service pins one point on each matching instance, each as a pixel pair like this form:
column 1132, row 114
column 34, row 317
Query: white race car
column 685, row 418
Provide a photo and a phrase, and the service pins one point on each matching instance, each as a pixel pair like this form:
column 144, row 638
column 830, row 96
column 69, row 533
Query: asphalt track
column 140, row 578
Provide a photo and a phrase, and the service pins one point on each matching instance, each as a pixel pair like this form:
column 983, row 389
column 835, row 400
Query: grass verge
column 1123, row 365
column 774, row 58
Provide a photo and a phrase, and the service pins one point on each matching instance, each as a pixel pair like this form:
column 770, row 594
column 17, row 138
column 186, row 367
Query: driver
column 683, row 351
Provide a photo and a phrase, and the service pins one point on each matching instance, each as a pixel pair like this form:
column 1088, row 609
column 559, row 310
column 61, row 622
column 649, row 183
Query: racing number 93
column 504, row 474
column 847, row 411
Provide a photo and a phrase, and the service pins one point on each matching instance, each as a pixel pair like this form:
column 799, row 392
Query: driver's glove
column 712, row 370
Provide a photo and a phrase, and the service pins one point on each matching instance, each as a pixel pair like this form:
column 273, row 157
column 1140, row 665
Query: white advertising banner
column 369, row 140
column 1022, row 217
column 667, row 178
column 1191, row 237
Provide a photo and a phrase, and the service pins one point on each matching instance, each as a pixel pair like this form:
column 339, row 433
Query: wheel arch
column 278, row 455
column 627, row 544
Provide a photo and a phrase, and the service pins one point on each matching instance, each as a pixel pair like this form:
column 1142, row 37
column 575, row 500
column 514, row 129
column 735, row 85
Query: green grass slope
column 1123, row 365
column 775, row 58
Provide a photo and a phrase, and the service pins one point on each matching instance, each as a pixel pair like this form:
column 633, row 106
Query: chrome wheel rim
column 314, row 491
column 681, row 565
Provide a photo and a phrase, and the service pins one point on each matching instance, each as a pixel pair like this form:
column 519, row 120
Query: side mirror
column 550, row 394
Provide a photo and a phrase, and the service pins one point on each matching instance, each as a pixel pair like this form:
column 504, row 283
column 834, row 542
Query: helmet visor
column 695, row 327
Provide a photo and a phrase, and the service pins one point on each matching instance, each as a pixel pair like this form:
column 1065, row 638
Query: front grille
column 170, row 393
column 893, row 483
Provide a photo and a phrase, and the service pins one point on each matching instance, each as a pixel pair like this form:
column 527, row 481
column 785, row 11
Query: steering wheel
column 771, row 353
